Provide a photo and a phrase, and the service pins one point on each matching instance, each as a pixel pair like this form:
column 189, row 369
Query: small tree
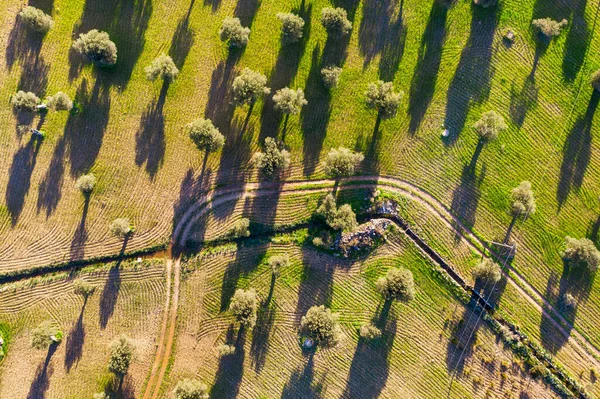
column 489, row 126
column 59, row 102
column 274, row 160
column 568, row 302
column 234, row 33
column 381, row 96
column 341, row 162
column 83, row 288
column 342, row 218
column 226, row 350
column 548, row 27
column 190, row 389
column 487, row 271
column 289, row 101
column 120, row 228
column 162, row 67
column 331, row 76
column 397, row 284
column 321, row 326
column 36, row 20
column 97, row 47
column 278, row 262
column 595, row 81
column 205, row 135
column 292, row 27
column 25, row 101
column 121, row 355
column 249, row 86
column 581, row 254
column 522, row 204
column 46, row 334
column 369, row 332
column 240, row 228
column 86, row 184
column 243, row 307
column 335, row 20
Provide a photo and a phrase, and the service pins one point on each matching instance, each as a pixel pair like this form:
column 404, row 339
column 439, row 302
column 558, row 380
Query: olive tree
column 382, row 97
column 487, row 271
column 522, row 204
column 205, row 135
column 162, row 67
column 25, row 101
column 331, row 76
column 97, row 47
column 46, row 334
column 320, row 325
column 121, row 228
column 190, row 389
column 83, row 288
column 249, row 86
column 278, row 262
column 595, row 80
column 369, row 332
column 234, row 33
column 121, row 355
column 240, row 228
column 273, row 160
column 335, row 20
column 292, row 27
column 489, row 126
column 548, row 27
column 341, row 162
column 340, row 218
column 243, row 306
column 86, row 184
column 398, row 284
column 289, row 101
column 581, row 254
column 59, row 102
column 36, row 19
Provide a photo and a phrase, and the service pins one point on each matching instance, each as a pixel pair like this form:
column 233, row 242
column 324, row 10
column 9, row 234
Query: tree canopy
column 25, row 101
column 548, row 27
column 522, row 200
column 86, row 183
column 582, row 254
column 382, row 97
column 243, row 306
column 489, row 126
column 320, row 325
column 398, row 284
column 341, row 162
column 121, row 355
column 120, row 228
column 46, row 334
column 36, row 19
column 331, row 76
column 97, row 47
column 162, row 67
column 273, row 160
column 487, row 271
column 234, row 33
column 342, row 218
column 190, row 389
column 289, row 101
column 292, row 27
column 205, row 135
column 248, row 86
column 335, row 20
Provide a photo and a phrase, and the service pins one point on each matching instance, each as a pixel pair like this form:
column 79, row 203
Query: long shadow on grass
column 577, row 152
column 81, row 235
column 34, row 76
column 110, row 292
column 215, row 4
column 23, row 44
column 523, row 100
column 231, row 368
column 301, row 383
column 246, row 10
column 191, row 188
column 577, row 41
column 261, row 333
column 594, row 230
column 74, row 342
column 50, row 189
column 471, row 81
column 41, row 380
column 422, row 86
column 182, row 40
column 465, row 197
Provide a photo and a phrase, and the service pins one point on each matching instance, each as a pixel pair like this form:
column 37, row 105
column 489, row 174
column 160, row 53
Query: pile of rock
column 363, row 239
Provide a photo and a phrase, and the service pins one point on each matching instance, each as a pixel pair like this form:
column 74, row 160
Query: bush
column 276, row 263
column 120, row 228
column 596, row 80
column 36, row 19
column 487, row 271
column 121, row 354
column 83, row 288
column 292, row 27
column 489, row 126
column 369, row 332
column 243, row 307
column 25, row 101
column 320, row 325
column 205, row 135
column 342, row 218
column 240, row 228
column 226, row 350
column 190, row 389
column 335, row 20
column 97, row 47
column 341, row 162
column 162, row 67
column 59, row 102
column 581, row 254
column 289, row 101
column 397, row 284
column 249, row 86
column 568, row 302
column 46, row 334
column 234, row 33
column 86, row 184
column 381, row 96
column 274, row 160
column 548, row 27
column 522, row 200
column 331, row 76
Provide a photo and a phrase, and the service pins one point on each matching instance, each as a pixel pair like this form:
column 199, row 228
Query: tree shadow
column 19, row 179
column 190, row 189
column 471, row 81
column 246, row 10
column 34, row 76
column 593, row 230
column 577, row 152
column 75, row 340
column 50, row 189
column 465, row 198
column 81, row 235
column 23, row 45
column 261, row 334
column 301, row 383
column 182, row 40
column 523, row 101
column 150, row 137
column 231, row 368
column 41, row 380
column 110, row 292
column 463, row 335
column 422, row 86
column 215, row 4
column 577, row 41
column 220, row 107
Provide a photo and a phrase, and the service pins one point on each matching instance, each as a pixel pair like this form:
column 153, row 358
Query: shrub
column 397, row 284
column 46, row 334
column 489, row 126
column 278, row 262
column 369, row 332
column 292, row 27
column 289, row 101
column 274, row 160
column 240, row 228
column 243, row 307
column 25, row 101
column 36, row 19
column 162, row 67
column 487, row 271
column 522, row 200
column 342, row 218
column 97, row 47
column 249, row 86
column 121, row 355
column 234, row 33
column 59, row 102
column 548, row 27
column 341, row 162
column 596, row 80
column 485, row 3
column 581, row 254
column 83, row 288
column 318, row 242
column 328, row 209
column 568, row 302
column 381, row 96
column 226, row 350
column 190, row 389
column 120, row 228
column 331, row 76
column 320, row 325
column 205, row 135
column 335, row 20
column 86, row 183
